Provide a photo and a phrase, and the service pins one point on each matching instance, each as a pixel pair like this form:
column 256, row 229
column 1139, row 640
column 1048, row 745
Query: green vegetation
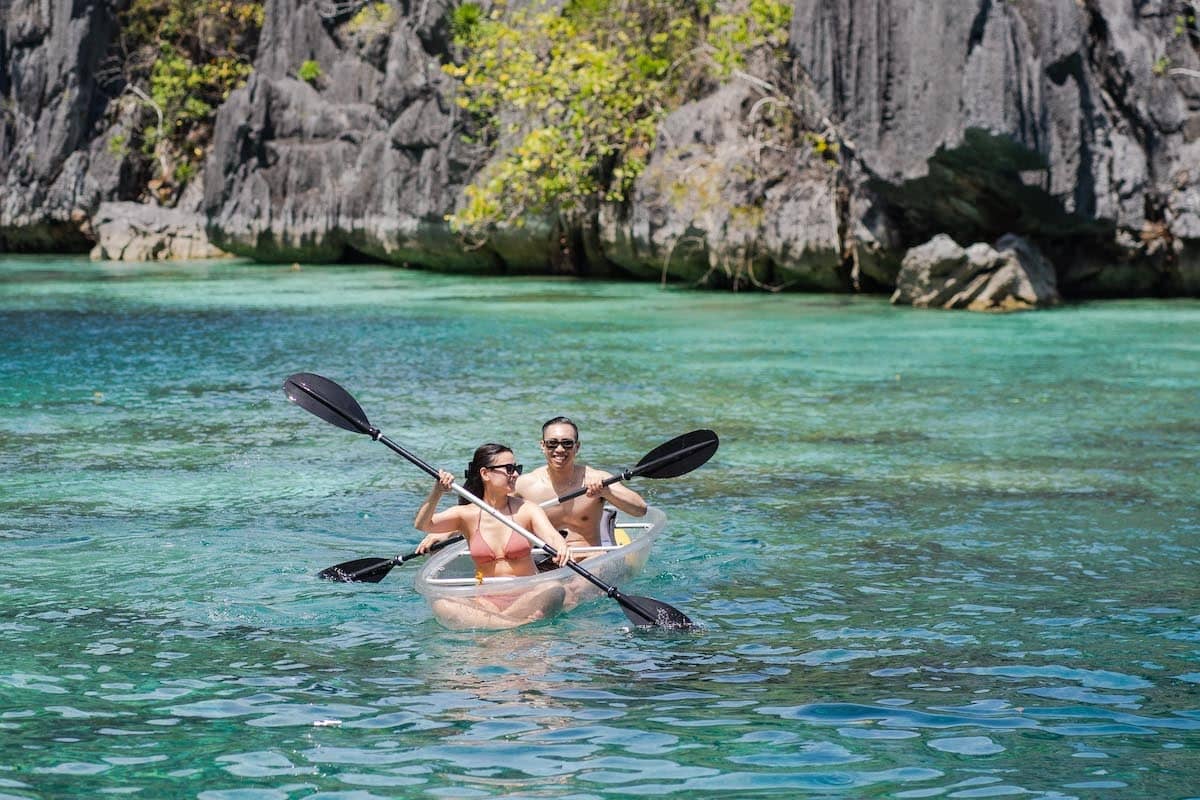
column 1186, row 28
column 309, row 71
column 182, row 60
column 1185, row 24
column 118, row 145
column 732, row 35
column 372, row 16
column 823, row 146
column 572, row 94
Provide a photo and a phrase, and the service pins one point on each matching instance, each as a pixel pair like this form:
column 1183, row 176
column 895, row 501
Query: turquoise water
column 937, row 554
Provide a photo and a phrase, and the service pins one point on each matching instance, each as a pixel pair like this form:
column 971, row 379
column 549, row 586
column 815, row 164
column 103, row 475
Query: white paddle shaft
column 494, row 514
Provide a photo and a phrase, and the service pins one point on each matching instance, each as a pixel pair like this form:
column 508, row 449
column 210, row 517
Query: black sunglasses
column 552, row 444
column 511, row 469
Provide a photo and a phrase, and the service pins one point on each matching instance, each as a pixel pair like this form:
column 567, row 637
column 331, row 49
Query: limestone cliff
column 1071, row 123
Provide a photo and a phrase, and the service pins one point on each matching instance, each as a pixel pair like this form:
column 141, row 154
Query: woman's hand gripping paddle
column 325, row 399
column 677, row 457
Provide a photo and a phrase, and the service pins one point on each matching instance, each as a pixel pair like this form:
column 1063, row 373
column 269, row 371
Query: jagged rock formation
column 364, row 159
column 54, row 168
column 127, row 231
column 1012, row 276
column 1072, row 123
column 722, row 201
column 1049, row 119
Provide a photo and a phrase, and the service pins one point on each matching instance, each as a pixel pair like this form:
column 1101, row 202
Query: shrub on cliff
column 182, row 59
column 570, row 95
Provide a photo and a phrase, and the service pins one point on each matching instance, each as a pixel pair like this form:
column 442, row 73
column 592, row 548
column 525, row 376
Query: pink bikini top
column 482, row 553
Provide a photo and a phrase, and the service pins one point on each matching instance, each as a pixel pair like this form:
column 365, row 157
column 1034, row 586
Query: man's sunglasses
column 553, row 444
column 511, row 469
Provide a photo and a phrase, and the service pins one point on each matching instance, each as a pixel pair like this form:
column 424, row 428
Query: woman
column 497, row 550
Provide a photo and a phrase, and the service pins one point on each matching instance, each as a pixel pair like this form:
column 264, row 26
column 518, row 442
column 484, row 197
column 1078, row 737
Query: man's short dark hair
column 559, row 421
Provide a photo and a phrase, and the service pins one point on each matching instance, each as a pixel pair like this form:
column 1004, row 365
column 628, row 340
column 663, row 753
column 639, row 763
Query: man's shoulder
column 534, row 481
column 535, row 474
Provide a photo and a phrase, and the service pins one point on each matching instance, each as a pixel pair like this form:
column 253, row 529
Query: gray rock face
column 128, row 231
column 976, row 117
column 362, row 160
column 718, row 205
column 1073, row 123
column 1013, row 276
column 54, row 168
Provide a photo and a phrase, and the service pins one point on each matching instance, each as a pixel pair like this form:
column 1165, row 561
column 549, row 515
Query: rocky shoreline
column 988, row 155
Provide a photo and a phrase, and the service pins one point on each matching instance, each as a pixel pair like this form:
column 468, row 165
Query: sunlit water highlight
column 937, row 554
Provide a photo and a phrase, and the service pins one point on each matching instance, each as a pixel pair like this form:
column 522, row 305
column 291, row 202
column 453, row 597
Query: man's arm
column 618, row 494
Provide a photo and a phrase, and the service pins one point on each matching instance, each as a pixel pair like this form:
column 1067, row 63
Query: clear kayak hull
column 459, row 601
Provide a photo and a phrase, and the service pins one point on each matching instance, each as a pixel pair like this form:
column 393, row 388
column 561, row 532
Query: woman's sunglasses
column 553, row 444
column 511, row 469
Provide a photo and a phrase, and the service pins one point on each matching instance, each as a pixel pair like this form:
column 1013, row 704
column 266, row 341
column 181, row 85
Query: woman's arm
column 438, row 524
column 539, row 524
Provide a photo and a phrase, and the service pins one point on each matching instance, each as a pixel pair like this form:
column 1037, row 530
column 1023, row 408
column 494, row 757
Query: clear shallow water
column 937, row 555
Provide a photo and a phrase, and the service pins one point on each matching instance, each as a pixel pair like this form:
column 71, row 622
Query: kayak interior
column 460, row 600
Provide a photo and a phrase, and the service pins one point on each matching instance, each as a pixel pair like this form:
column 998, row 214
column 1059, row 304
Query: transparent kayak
column 459, row 600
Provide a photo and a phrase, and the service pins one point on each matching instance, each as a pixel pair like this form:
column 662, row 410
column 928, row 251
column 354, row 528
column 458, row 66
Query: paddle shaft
column 373, row 570
column 640, row 469
column 433, row 548
column 398, row 560
column 610, row 591
column 351, row 417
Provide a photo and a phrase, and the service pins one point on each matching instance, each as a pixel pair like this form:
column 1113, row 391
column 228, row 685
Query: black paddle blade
column 646, row 612
column 366, row 570
column 692, row 449
column 327, row 400
column 372, row 570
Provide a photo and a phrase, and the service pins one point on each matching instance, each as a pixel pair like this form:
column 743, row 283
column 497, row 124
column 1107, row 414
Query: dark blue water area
column 936, row 555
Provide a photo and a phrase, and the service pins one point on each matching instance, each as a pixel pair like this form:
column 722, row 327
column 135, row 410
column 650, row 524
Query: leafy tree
column 571, row 94
column 743, row 28
column 572, row 97
column 182, row 59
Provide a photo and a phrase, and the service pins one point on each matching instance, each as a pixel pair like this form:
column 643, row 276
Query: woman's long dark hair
column 484, row 454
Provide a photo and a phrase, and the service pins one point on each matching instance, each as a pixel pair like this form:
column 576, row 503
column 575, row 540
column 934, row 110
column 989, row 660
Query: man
column 579, row 518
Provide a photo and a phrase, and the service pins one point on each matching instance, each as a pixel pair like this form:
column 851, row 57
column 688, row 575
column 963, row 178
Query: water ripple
column 899, row 597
